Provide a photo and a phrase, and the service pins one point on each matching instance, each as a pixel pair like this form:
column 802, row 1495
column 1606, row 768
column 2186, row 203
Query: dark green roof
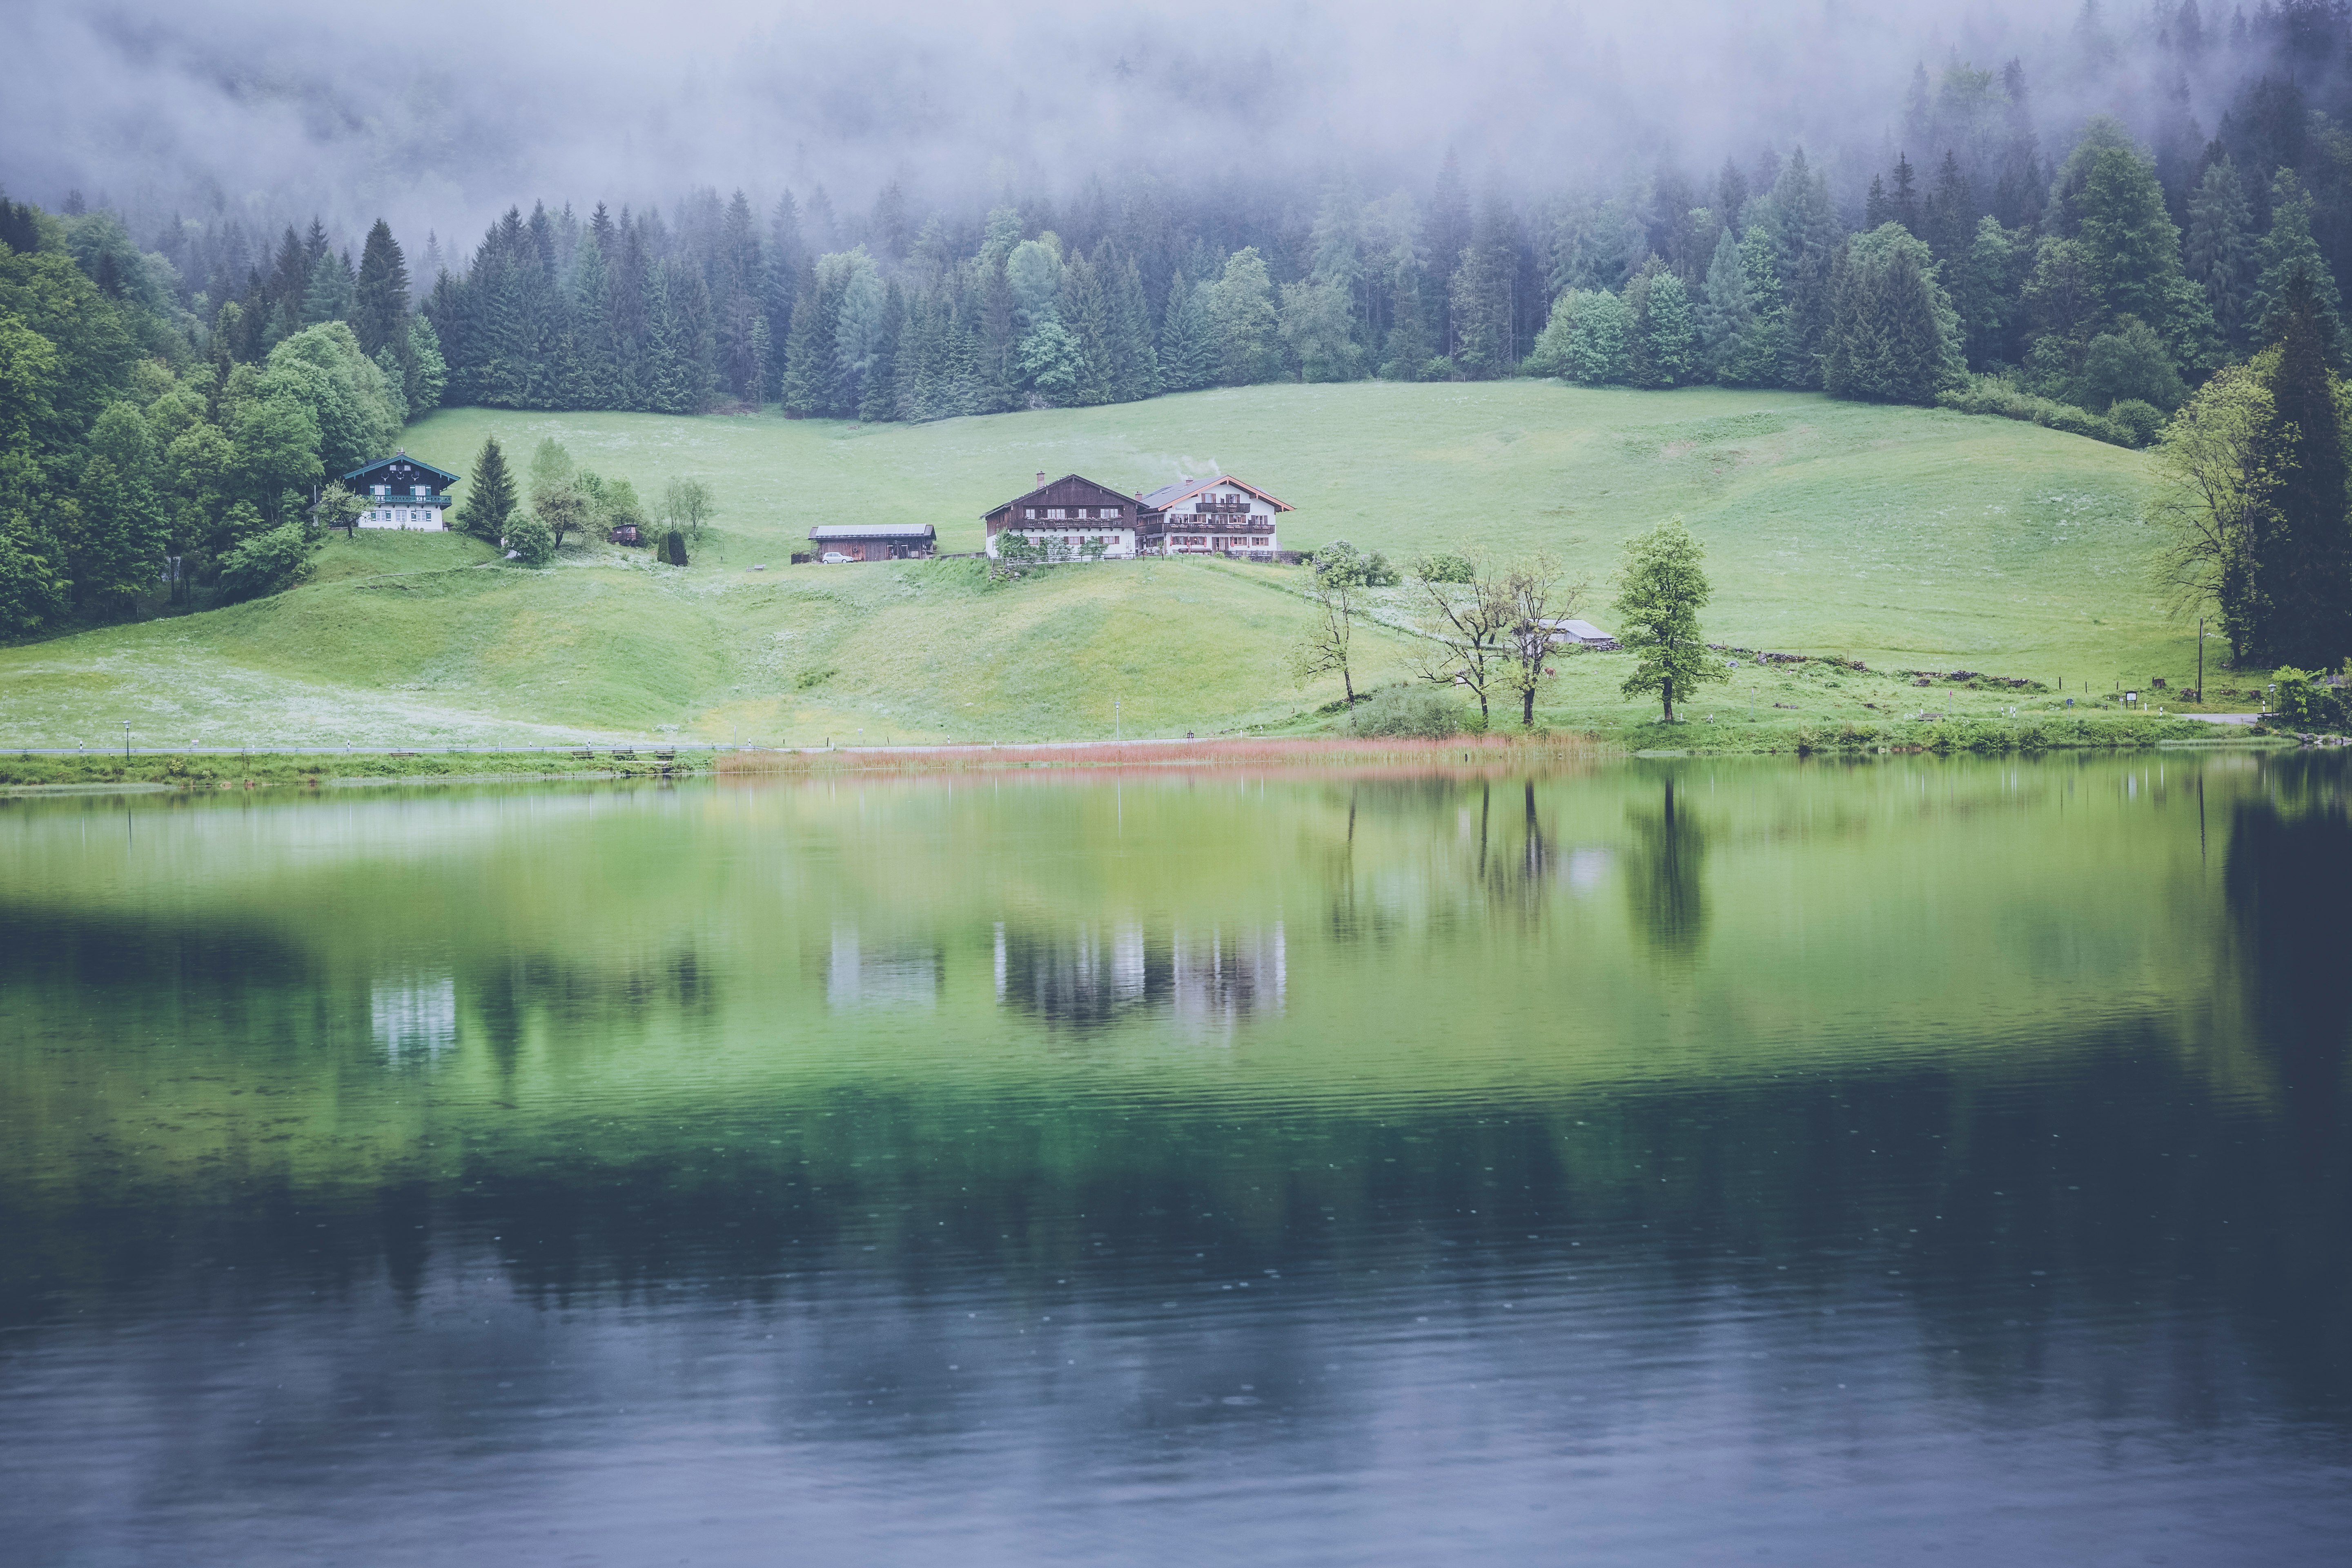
column 402, row 458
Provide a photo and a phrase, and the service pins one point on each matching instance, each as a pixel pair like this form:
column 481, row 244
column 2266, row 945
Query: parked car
column 834, row 558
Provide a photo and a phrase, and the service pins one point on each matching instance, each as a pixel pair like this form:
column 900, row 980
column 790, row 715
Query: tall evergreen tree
column 877, row 397
column 490, row 496
column 2219, row 248
column 1085, row 313
column 1186, row 359
column 595, row 367
column 379, row 297
column 2287, row 250
column 1410, row 347
column 1726, row 318
column 1894, row 336
column 2309, row 575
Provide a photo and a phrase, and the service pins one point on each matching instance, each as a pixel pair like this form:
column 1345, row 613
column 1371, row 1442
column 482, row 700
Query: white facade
column 1073, row 533
column 1213, row 523
column 419, row 509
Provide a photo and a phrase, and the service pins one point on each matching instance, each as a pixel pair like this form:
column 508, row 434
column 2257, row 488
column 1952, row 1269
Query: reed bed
column 1472, row 751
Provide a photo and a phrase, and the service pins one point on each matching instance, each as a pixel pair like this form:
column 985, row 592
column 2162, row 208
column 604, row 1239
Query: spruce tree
column 1725, row 319
column 877, row 397
column 1669, row 336
column 2288, row 249
column 595, row 371
column 2309, row 577
column 328, row 295
column 807, row 358
column 379, row 297
column 490, row 498
column 1180, row 367
column 2221, row 249
column 1086, row 313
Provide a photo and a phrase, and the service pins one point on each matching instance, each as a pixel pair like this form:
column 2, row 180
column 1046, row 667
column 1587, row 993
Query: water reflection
column 2021, row 1178
column 1664, row 886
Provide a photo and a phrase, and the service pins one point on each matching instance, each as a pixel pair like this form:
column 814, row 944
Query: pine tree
column 2219, row 248
column 1448, row 232
column 1894, row 336
column 1725, row 319
column 2308, row 578
column 1902, row 196
column 1409, row 347
column 380, row 297
column 1134, row 367
column 327, row 296
column 490, row 496
column 877, row 397
column 1179, row 370
column 1086, row 313
column 1951, row 216
column 808, row 356
column 595, row 369
column 2288, row 249
column 1805, row 234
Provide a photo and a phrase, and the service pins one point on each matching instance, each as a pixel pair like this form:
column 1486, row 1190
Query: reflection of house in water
column 863, row 974
column 413, row 1017
column 1090, row 976
column 1221, row 976
column 1081, row 977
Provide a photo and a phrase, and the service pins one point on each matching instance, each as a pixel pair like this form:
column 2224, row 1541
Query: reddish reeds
column 1236, row 752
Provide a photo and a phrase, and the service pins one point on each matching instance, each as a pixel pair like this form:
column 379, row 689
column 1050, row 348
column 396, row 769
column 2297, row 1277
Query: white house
column 401, row 492
column 1222, row 516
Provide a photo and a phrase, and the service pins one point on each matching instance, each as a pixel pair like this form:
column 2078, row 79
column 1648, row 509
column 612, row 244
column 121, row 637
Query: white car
column 835, row 558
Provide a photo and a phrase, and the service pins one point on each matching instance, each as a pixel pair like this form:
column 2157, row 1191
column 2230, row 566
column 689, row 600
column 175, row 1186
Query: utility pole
column 2200, row 659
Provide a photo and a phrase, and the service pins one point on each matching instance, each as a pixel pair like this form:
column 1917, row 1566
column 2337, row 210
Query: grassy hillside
column 1904, row 537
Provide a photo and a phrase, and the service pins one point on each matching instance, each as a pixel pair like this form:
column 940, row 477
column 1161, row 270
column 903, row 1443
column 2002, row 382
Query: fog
column 439, row 114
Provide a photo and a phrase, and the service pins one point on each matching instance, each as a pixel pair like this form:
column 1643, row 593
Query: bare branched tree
column 1466, row 632
column 1322, row 649
column 1537, row 595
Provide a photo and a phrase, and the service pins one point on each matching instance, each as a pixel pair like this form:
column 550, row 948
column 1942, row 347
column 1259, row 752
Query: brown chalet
column 1075, row 518
column 1072, row 519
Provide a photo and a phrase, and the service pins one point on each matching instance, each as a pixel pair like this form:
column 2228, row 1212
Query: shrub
column 1342, row 563
column 2144, row 420
column 530, row 539
column 1422, row 713
column 674, row 548
column 2305, row 701
column 2003, row 400
column 268, row 563
column 1442, row 567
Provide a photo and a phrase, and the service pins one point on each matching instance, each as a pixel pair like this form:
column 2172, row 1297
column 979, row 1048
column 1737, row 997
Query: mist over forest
column 2075, row 219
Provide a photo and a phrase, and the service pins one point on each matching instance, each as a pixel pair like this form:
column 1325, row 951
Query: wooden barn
column 1072, row 519
column 875, row 540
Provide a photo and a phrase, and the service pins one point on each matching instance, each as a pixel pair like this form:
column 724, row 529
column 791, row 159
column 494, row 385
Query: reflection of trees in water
column 1663, row 885
column 2289, row 863
column 1087, row 975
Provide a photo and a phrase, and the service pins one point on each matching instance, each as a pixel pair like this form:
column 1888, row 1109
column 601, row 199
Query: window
column 1053, row 514
column 1110, row 511
column 1031, row 514
column 378, row 490
column 419, row 491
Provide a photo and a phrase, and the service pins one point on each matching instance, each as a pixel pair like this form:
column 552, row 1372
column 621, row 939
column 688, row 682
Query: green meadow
column 1908, row 539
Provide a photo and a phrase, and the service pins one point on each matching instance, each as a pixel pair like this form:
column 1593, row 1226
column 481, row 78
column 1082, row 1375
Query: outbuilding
column 1070, row 518
column 875, row 541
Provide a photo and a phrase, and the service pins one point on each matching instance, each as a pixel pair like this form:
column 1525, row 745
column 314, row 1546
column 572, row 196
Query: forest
column 175, row 383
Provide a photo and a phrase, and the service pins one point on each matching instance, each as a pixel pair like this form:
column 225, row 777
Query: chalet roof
column 1167, row 496
column 833, row 531
column 1070, row 489
column 419, row 464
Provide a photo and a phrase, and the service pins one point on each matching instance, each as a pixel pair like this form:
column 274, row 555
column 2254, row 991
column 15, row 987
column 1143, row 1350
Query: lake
column 1665, row 1162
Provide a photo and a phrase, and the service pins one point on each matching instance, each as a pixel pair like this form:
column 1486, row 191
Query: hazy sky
column 437, row 111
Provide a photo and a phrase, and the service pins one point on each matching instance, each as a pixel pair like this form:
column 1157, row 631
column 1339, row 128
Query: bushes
column 1992, row 395
column 2306, row 701
column 268, row 563
column 1419, row 712
column 532, row 542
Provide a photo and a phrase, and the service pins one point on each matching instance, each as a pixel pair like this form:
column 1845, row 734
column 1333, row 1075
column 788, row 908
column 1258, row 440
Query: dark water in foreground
column 1670, row 1163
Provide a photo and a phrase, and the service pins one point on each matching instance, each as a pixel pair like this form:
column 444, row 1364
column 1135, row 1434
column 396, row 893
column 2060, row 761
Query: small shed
column 1578, row 633
column 875, row 541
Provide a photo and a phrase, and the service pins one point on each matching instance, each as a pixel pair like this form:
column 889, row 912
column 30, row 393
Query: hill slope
column 1905, row 537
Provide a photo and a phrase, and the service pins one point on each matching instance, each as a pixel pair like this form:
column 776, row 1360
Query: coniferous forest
column 2090, row 265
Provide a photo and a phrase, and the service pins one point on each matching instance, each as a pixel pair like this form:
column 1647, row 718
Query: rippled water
column 1670, row 1162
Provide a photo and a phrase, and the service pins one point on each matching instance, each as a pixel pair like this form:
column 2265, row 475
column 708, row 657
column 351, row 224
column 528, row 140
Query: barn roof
column 1070, row 489
column 1167, row 496
column 872, row 530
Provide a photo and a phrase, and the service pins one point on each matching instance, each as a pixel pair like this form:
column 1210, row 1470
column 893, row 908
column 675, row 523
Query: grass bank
column 1902, row 538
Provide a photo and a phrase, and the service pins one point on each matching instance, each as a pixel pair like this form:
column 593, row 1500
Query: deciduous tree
column 1661, row 587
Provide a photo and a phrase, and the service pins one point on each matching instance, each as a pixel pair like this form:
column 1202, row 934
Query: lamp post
column 2201, row 660
column 126, row 740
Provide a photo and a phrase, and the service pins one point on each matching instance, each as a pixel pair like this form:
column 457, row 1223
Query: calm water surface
column 1670, row 1162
